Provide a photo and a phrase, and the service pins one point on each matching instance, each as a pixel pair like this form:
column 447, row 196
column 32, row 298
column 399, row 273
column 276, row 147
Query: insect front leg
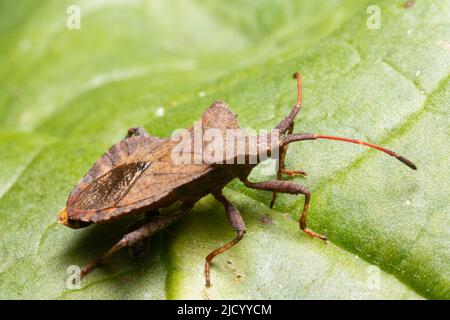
column 281, row 168
column 290, row 188
column 238, row 225
column 134, row 237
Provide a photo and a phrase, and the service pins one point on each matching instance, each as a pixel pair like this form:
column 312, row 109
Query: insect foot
column 315, row 234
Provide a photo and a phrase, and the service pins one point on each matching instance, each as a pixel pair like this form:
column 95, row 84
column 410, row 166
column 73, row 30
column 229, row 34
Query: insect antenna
column 298, row 77
column 312, row 136
column 288, row 122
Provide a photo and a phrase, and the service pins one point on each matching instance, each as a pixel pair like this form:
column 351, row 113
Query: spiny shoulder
column 219, row 116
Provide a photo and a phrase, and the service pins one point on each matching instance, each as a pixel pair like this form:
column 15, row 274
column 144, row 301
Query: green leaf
column 67, row 95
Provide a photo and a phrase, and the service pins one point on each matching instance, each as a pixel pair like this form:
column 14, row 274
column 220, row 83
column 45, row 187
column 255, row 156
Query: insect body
column 139, row 175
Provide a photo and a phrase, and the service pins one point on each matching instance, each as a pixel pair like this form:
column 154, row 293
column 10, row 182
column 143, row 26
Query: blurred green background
column 67, row 94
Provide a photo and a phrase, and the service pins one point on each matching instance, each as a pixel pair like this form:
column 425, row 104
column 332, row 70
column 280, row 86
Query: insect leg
column 134, row 237
column 136, row 132
column 238, row 225
column 281, row 164
column 290, row 188
column 138, row 249
column 293, row 172
column 281, row 168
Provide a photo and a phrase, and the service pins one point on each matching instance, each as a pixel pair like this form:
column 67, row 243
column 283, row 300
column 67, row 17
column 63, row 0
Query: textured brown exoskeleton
column 139, row 175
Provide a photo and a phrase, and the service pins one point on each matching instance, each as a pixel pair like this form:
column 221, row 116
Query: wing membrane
column 110, row 188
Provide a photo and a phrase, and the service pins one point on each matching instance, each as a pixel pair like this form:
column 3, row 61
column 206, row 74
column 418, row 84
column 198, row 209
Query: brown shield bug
column 140, row 175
